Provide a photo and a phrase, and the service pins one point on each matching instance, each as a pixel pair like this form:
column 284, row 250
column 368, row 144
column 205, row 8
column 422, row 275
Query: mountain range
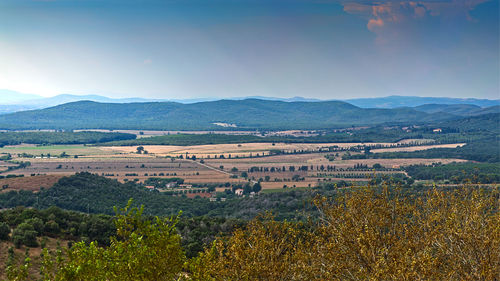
column 11, row 101
column 221, row 114
column 458, row 109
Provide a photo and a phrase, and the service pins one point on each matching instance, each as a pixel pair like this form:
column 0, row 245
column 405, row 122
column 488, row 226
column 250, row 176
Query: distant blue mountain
column 458, row 109
column 11, row 101
column 412, row 101
column 11, row 97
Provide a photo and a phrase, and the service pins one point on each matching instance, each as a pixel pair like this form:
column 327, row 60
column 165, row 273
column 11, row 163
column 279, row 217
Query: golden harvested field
column 128, row 168
column 241, row 150
column 419, row 141
column 4, row 166
column 318, row 159
column 399, row 162
column 418, row 148
column 29, row 183
column 123, row 164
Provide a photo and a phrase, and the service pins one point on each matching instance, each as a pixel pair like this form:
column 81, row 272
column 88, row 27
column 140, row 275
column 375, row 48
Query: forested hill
column 245, row 114
column 458, row 109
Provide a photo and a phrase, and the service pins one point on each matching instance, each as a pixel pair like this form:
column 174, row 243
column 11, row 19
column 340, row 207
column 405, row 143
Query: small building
column 438, row 130
column 171, row 184
column 186, row 186
column 223, row 199
column 213, row 199
column 238, row 192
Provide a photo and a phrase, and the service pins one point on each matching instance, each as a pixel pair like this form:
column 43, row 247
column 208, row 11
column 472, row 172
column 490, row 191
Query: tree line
column 49, row 138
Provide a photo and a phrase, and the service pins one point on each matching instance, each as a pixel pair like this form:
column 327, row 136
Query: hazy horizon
column 132, row 96
column 334, row 49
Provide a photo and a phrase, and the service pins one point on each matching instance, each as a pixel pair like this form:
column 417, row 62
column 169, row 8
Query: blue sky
column 226, row 48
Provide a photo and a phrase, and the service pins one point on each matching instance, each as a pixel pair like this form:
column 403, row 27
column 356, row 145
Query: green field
column 52, row 150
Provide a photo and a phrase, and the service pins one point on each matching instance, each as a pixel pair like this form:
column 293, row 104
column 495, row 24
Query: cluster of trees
column 346, row 175
column 365, row 233
column 305, row 168
column 376, row 134
column 485, row 150
column 19, row 165
column 456, row 172
column 30, row 227
column 89, row 193
column 26, row 225
column 373, row 134
column 248, row 188
column 190, row 139
column 14, row 138
column 162, row 182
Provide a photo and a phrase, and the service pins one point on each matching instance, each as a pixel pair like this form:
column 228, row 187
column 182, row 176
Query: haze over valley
column 249, row 140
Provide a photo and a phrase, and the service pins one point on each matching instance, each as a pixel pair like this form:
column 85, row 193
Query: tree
column 140, row 149
column 365, row 234
column 51, row 228
column 367, row 150
column 257, row 187
column 25, row 234
column 143, row 249
column 4, row 231
column 37, row 224
column 247, row 188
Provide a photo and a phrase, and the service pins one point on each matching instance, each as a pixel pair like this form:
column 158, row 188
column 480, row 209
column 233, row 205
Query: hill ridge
column 246, row 114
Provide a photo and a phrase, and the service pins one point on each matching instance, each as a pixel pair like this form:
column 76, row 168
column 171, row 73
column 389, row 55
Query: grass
column 52, row 149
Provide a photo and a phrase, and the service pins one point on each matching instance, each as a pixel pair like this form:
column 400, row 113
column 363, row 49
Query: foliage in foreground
column 367, row 233
column 142, row 250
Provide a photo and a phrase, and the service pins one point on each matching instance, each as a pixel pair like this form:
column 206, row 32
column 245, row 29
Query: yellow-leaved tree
column 368, row 234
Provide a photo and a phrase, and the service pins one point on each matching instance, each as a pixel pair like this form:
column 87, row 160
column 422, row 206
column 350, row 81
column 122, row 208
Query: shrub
column 4, row 231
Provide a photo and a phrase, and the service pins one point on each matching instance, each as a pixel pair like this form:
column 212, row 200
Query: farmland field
column 51, row 149
column 32, row 183
column 418, row 148
column 240, row 150
column 222, row 165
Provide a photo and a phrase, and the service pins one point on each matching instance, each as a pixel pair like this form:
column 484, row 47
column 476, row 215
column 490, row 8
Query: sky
column 327, row 49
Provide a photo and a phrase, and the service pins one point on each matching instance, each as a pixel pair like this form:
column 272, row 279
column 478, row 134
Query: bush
column 51, row 228
column 4, row 231
column 142, row 250
column 37, row 224
column 24, row 234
